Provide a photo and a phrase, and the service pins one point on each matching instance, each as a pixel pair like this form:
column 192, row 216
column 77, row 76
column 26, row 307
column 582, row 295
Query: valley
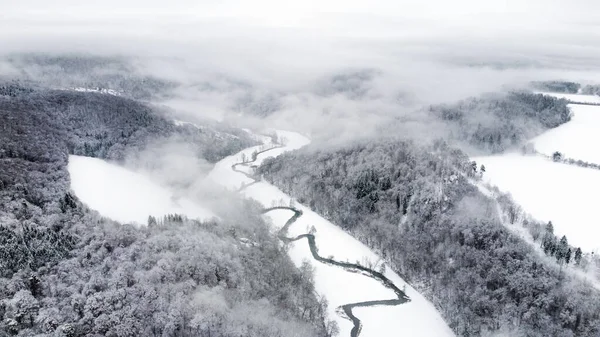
column 379, row 313
column 365, row 298
column 299, row 169
column 386, row 304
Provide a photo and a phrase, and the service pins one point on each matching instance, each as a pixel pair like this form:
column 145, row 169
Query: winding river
column 347, row 309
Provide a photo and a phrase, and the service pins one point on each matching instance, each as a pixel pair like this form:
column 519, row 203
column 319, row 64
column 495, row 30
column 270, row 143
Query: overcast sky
column 516, row 20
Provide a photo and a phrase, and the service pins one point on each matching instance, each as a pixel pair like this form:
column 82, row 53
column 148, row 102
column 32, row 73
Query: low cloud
column 171, row 162
column 328, row 69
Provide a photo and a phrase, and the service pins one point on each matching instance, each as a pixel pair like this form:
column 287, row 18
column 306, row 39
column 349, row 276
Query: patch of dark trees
column 497, row 122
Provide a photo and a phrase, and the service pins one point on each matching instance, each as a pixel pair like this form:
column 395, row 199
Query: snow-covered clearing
column 415, row 318
column 549, row 191
column 575, row 98
column 578, row 139
column 98, row 90
column 184, row 123
column 126, row 196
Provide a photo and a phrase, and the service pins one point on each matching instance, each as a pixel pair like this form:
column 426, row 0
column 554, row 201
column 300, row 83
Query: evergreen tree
column 562, row 249
column 474, row 166
column 557, row 156
column 151, row 221
column 549, row 243
column 550, row 227
column 578, row 255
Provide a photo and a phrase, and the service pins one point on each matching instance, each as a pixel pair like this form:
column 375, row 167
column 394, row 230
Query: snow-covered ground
column 99, row 90
column 126, row 196
column 575, row 98
column 415, row 318
column 517, row 228
column 549, row 191
column 259, row 138
column 183, row 123
column 577, row 139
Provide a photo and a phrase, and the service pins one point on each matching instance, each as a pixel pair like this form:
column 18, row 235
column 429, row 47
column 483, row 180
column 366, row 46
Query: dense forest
column 565, row 87
column 175, row 277
column 118, row 74
column 66, row 271
column 496, row 122
column 591, row 89
column 105, row 126
column 416, row 206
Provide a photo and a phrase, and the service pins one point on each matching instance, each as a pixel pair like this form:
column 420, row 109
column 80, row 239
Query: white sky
column 311, row 14
column 534, row 21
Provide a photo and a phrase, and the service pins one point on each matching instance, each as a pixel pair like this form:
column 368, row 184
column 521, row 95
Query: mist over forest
column 362, row 118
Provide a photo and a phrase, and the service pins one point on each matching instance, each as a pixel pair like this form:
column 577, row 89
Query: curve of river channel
column 350, row 267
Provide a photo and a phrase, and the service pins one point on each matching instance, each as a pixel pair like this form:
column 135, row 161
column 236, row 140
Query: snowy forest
column 565, row 87
column 416, row 205
column 494, row 123
column 67, row 271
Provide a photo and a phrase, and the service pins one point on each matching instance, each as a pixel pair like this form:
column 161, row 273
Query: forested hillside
column 496, row 122
column 90, row 72
column 174, row 278
column 415, row 205
column 65, row 271
column 105, row 126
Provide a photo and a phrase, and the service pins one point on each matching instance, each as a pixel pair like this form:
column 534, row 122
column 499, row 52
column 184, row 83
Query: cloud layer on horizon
column 302, row 58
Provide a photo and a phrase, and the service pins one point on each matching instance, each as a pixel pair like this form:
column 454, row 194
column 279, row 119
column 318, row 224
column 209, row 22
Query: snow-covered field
column 574, row 97
column 577, row 139
column 123, row 195
column 549, row 191
column 415, row 318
